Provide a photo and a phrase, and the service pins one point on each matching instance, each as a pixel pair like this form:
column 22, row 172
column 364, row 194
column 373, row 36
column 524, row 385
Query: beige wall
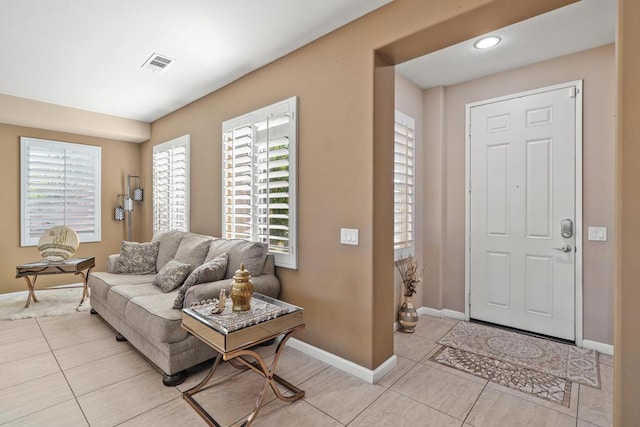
column 405, row 29
column 596, row 67
column 42, row 115
column 118, row 159
column 408, row 100
column 627, row 337
column 434, row 197
column 345, row 159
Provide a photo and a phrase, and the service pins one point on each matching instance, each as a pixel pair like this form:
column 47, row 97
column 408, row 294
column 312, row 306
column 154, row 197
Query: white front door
column 522, row 212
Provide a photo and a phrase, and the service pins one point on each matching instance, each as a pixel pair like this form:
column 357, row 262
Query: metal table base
column 236, row 358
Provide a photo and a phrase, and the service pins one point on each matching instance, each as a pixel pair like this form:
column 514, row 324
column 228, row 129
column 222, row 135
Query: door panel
column 498, row 279
column 522, row 173
column 498, row 196
column 539, row 292
column 539, row 193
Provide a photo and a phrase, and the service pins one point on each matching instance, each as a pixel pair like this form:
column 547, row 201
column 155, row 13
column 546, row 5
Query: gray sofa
column 142, row 313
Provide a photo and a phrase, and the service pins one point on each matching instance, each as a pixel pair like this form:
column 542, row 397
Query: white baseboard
column 598, row 346
column 441, row 313
column 368, row 375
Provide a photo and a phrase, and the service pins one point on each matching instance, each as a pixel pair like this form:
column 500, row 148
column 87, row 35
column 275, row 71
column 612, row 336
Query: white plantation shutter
column 259, row 158
column 403, row 185
column 60, row 186
column 237, row 147
column 171, row 185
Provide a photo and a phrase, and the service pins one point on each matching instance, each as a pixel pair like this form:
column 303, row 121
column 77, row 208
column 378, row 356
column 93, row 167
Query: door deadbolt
column 566, row 228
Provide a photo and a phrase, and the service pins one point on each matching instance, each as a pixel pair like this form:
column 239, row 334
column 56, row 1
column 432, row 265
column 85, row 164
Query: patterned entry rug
column 537, row 366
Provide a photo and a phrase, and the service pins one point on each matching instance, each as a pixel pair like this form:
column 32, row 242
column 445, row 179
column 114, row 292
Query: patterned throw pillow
column 210, row 272
column 171, row 275
column 138, row 258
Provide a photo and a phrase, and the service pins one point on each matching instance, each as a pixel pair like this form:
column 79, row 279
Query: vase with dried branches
column 408, row 269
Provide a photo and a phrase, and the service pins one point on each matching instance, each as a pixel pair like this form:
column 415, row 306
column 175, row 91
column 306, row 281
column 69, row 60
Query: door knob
column 565, row 248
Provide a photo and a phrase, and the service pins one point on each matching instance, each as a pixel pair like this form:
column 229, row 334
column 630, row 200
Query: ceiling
column 579, row 26
column 88, row 54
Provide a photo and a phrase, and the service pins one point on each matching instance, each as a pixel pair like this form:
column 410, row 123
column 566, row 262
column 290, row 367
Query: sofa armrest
column 205, row 291
column 264, row 284
column 112, row 262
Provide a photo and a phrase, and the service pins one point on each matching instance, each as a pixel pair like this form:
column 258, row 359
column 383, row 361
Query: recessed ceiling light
column 487, row 42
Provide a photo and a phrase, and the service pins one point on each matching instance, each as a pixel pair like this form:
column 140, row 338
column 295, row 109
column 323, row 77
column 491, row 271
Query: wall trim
column 434, row 312
column 598, row 346
column 368, row 375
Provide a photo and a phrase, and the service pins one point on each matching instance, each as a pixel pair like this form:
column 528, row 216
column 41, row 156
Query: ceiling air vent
column 158, row 63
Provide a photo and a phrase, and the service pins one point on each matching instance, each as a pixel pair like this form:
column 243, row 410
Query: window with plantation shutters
column 60, row 185
column 403, row 185
column 259, row 185
column 171, row 185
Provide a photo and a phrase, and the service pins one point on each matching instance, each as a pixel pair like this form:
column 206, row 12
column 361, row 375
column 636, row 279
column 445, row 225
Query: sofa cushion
column 169, row 242
column 119, row 296
column 137, row 258
column 101, row 282
column 252, row 254
column 153, row 316
column 193, row 249
column 172, row 275
column 211, row 271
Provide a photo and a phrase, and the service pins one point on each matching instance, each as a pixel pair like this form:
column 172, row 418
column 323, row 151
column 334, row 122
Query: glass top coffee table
column 78, row 266
column 232, row 336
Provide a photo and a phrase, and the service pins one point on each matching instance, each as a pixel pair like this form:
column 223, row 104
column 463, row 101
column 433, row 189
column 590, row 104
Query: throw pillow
column 193, row 249
column 171, row 275
column 137, row 258
column 252, row 255
column 210, row 272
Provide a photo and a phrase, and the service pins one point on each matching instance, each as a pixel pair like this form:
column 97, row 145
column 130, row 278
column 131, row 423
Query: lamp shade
column 118, row 213
column 138, row 194
column 128, row 204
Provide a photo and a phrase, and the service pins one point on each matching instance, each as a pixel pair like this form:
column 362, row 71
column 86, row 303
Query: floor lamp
column 126, row 209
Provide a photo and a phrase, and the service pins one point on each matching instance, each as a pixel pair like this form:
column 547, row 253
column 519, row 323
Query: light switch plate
column 349, row 236
column 598, row 234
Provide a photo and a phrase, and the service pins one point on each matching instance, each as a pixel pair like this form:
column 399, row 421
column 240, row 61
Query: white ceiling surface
column 579, row 26
column 87, row 54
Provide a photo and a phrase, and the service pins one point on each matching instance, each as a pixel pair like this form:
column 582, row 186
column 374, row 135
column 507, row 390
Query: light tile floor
column 70, row 371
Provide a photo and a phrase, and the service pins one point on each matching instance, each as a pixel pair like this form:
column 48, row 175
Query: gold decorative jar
column 241, row 290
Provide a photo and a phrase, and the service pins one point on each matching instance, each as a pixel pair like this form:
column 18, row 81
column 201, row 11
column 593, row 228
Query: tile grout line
column 474, row 404
column 419, row 402
column 67, row 381
column 311, row 404
column 150, row 409
column 578, row 404
column 368, row 406
column 62, row 372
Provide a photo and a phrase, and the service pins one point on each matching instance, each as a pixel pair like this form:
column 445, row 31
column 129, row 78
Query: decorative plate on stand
column 58, row 243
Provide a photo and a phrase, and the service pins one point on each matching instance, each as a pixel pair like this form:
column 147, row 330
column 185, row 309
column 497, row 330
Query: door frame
column 578, row 195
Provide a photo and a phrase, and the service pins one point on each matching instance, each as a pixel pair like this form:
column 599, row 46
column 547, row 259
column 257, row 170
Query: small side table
column 234, row 345
column 78, row 266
